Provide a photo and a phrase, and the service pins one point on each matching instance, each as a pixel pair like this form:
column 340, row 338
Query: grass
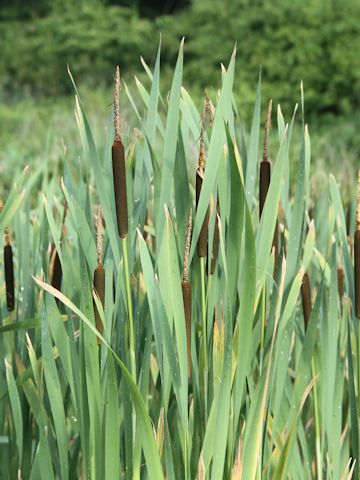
column 179, row 366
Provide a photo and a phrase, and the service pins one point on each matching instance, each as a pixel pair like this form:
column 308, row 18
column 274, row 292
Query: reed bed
column 220, row 343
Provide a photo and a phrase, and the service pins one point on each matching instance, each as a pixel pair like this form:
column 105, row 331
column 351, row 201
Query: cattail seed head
column 56, row 272
column 306, row 298
column 9, row 272
column 265, row 175
column 119, row 175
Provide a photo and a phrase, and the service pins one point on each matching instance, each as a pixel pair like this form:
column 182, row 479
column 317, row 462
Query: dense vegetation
column 317, row 41
column 111, row 382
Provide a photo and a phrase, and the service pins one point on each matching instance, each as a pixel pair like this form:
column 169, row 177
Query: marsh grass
column 146, row 367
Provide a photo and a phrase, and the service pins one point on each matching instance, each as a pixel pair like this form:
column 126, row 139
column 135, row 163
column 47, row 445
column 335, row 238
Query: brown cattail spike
column 186, row 291
column 306, row 298
column 9, row 272
column 265, row 174
column 357, row 254
column 99, row 274
column 118, row 163
column 55, row 264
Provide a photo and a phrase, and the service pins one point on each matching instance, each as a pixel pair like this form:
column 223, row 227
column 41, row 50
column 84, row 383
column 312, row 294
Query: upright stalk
column 130, row 310
column 357, row 296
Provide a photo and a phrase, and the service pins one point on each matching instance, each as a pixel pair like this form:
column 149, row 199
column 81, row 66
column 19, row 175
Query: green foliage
column 265, row 398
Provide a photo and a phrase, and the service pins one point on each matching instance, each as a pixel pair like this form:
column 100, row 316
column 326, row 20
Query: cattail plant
column 265, row 167
column 306, row 298
column 264, row 182
column 9, row 272
column 357, row 254
column 203, row 236
column 99, row 274
column 119, row 177
column 118, row 164
column 186, row 291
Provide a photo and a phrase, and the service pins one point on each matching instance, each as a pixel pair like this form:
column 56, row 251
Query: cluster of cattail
column 357, row 254
column 186, row 291
column 9, row 272
column 264, row 182
column 99, row 274
column 118, row 164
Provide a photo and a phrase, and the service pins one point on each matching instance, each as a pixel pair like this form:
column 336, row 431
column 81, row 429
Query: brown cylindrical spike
column 306, row 298
column 9, row 273
column 265, row 174
column 119, row 175
column 56, row 278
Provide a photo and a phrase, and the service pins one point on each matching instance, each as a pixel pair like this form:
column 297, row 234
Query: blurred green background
column 317, row 41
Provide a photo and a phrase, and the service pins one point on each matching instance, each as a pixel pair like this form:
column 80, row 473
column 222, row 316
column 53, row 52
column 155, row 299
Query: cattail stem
column 130, row 312
column 9, row 273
